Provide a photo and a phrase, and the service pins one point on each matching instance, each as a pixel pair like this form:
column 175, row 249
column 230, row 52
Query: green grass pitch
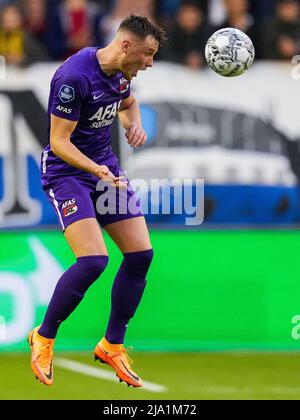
column 184, row 375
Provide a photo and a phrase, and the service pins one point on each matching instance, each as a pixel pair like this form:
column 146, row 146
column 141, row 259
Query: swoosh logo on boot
column 133, row 376
column 101, row 348
column 49, row 376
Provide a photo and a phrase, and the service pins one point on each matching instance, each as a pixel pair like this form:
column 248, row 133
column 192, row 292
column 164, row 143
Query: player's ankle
column 110, row 346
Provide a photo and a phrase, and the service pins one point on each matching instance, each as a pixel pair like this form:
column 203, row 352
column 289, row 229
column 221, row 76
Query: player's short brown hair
column 143, row 27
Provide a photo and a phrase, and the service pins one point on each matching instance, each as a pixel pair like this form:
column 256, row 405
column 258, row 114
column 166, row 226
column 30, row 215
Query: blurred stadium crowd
column 47, row 30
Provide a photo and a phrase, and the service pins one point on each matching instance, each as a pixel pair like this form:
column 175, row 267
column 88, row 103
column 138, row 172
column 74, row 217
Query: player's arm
column 130, row 118
column 61, row 146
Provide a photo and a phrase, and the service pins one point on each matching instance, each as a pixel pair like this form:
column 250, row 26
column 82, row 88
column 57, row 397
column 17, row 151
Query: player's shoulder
column 82, row 57
column 78, row 67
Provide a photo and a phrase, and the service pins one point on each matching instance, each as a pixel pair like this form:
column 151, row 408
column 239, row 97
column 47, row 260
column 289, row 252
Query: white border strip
column 57, row 209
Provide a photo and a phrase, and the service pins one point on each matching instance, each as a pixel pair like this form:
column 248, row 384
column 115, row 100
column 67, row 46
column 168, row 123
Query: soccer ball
column 229, row 52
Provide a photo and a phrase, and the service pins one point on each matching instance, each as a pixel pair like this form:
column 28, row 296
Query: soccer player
column 87, row 91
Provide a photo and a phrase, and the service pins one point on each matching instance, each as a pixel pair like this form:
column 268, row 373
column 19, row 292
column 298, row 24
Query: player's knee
column 139, row 262
column 93, row 265
column 88, row 268
column 100, row 265
column 145, row 259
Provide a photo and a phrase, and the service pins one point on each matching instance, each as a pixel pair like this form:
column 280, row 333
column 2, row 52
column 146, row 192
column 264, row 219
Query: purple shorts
column 83, row 195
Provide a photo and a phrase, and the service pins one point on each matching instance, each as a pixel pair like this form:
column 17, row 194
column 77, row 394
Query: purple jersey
column 81, row 91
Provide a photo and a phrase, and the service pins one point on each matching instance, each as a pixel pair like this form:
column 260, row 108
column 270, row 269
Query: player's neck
column 108, row 61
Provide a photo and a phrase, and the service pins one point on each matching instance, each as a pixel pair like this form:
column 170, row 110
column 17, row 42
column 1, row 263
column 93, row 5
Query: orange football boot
column 115, row 355
column 41, row 356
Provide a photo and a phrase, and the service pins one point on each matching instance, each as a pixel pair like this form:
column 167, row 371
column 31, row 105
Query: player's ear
column 126, row 45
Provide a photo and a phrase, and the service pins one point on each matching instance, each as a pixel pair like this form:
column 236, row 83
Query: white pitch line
column 101, row 373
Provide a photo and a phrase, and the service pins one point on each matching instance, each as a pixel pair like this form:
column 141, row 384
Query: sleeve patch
column 66, row 93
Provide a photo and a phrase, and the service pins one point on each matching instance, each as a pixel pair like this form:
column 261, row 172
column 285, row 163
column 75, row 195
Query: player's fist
column 106, row 175
column 136, row 136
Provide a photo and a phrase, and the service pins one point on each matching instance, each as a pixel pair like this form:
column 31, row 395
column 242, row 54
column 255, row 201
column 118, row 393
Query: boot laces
column 126, row 352
column 46, row 354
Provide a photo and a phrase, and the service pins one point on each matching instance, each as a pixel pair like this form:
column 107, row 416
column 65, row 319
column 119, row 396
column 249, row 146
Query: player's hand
column 136, row 136
column 106, row 175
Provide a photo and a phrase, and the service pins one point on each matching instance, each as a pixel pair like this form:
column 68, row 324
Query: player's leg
column 70, row 197
column 130, row 235
column 132, row 238
column 86, row 240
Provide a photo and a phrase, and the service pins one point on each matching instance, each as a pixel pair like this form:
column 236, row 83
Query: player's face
column 138, row 55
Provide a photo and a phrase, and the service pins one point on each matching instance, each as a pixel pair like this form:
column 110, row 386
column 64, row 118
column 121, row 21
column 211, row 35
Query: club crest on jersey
column 69, row 207
column 124, row 85
column 66, row 93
